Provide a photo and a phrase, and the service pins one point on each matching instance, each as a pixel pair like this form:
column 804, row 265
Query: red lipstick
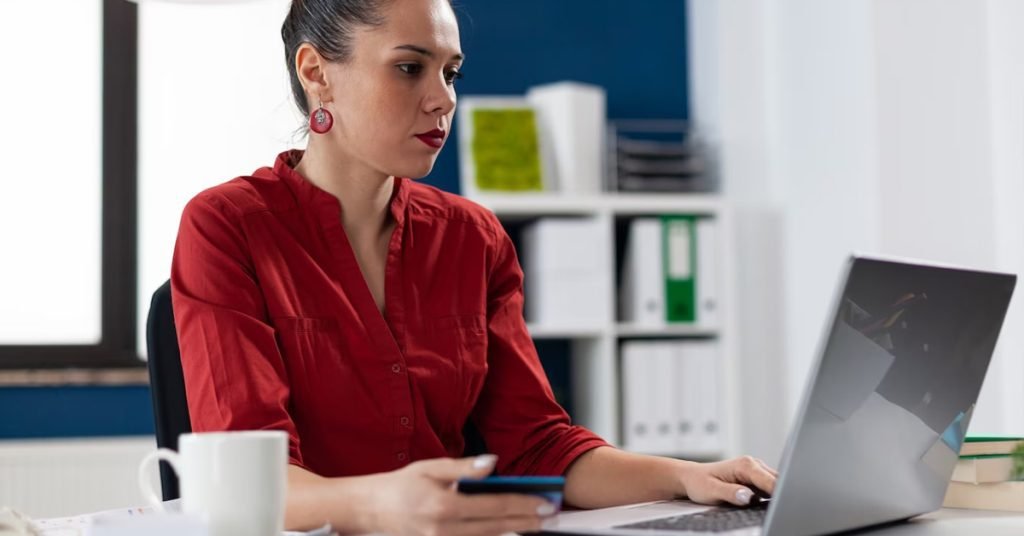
column 433, row 138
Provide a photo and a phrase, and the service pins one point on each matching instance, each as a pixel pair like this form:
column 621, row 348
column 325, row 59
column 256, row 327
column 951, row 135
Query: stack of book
column 987, row 475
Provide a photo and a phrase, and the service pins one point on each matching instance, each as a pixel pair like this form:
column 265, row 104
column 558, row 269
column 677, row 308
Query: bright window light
column 50, row 208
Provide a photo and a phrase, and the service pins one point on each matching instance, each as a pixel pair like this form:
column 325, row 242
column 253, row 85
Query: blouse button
column 396, row 368
column 402, row 456
column 404, row 421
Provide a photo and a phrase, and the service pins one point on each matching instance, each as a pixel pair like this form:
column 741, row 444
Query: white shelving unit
column 537, row 205
column 595, row 348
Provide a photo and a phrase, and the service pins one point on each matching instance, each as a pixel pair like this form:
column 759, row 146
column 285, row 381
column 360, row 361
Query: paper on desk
column 78, row 525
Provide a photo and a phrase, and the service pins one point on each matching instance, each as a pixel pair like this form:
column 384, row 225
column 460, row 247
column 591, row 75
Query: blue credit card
column 547, row 487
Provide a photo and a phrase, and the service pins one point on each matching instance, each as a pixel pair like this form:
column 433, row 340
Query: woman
column 371, row 317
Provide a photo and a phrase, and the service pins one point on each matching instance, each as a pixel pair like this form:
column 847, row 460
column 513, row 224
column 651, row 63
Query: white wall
column 214, row 103
column 824, row 130
column 885, row 126
column 1003, row 394
column 729, row 92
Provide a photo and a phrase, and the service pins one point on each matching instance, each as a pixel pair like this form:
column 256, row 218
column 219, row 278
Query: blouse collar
column 308, row 193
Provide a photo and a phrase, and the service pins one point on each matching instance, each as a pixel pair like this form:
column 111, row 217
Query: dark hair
column 328, row 25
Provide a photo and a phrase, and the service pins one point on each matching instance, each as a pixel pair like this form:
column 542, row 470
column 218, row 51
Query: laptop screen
column 891, row 396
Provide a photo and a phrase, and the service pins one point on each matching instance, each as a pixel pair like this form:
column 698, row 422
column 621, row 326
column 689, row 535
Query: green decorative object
column 1018, row 462
column 506, row 151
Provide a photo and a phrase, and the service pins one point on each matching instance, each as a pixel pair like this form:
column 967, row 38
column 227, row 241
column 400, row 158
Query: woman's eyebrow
column 426, row 51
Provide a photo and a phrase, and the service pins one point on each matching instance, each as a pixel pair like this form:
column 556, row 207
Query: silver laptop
column 880, row 426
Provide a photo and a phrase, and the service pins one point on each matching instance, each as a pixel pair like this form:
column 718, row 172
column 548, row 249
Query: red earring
column 321, row 121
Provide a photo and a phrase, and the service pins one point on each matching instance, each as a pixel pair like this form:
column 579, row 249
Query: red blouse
column 278, row 330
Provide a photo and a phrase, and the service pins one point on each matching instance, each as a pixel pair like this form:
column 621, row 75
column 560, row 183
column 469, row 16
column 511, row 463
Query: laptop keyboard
column 715, row 520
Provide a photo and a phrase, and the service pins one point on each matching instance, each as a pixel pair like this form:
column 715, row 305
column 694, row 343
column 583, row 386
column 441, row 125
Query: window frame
column 119, row 220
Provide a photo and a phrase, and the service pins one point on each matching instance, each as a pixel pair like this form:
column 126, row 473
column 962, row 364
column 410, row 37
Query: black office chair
column 167, row 384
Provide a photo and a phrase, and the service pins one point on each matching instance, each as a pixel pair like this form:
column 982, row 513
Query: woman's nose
column 441, row 97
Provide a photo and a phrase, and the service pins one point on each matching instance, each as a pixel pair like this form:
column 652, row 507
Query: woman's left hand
column 734, row 481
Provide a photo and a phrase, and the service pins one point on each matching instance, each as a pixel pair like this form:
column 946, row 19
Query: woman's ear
column 310, row 67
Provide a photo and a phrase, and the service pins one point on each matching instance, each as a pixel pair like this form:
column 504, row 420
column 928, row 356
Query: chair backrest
column 167, row 383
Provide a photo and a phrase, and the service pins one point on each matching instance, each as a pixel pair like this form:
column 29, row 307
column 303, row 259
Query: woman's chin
column 416, row 170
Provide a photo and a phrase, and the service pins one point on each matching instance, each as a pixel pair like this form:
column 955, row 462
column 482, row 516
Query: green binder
column 679, row 266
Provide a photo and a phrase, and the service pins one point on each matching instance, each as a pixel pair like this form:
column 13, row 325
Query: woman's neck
column 364, row 193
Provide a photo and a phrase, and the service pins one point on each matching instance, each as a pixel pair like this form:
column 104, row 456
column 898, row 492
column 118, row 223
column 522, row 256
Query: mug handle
column 145, row 481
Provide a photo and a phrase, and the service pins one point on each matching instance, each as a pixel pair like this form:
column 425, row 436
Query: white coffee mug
column 234, row 480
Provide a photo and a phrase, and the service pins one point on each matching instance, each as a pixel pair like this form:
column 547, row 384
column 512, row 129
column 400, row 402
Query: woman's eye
column 452, row 76
column 410, row 68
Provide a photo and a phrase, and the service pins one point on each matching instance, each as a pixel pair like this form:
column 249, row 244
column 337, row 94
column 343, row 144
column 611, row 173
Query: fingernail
column 743, row 495
column 545, row 509
column 550, row 523
column 484, row 461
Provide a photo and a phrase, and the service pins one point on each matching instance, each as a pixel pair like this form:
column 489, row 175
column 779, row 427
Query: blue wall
column 635, row 49
column 39, row 412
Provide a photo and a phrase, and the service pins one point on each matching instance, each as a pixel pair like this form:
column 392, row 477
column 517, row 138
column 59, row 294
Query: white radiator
column 57, row 478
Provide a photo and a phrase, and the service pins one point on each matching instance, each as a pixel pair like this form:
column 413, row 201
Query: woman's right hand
column 420, row 499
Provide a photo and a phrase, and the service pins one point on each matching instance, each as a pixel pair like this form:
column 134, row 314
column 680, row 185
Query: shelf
column 538, row 205
column 565, row 332
column 549, row 204
column 664, row 203
column 620, row 330
column 595, row 348
column 672, row 330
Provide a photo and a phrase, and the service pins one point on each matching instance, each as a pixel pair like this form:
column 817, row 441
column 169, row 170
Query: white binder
column 708, row 266
column 637, row 408
column 671, row 398
column 661, row 390
column 642, row 294
column 698, row 431
column 709, row 426
column 686, row 399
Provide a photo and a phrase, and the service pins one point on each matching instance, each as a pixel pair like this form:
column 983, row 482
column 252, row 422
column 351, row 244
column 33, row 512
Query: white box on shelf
column 574, row 115
column 567, row 273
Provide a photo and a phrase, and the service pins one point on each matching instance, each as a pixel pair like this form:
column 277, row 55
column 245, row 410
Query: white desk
column 954, row 521
column 944, row 522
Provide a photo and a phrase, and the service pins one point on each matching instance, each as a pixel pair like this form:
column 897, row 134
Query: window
column 91, row 210
column 68, row 209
